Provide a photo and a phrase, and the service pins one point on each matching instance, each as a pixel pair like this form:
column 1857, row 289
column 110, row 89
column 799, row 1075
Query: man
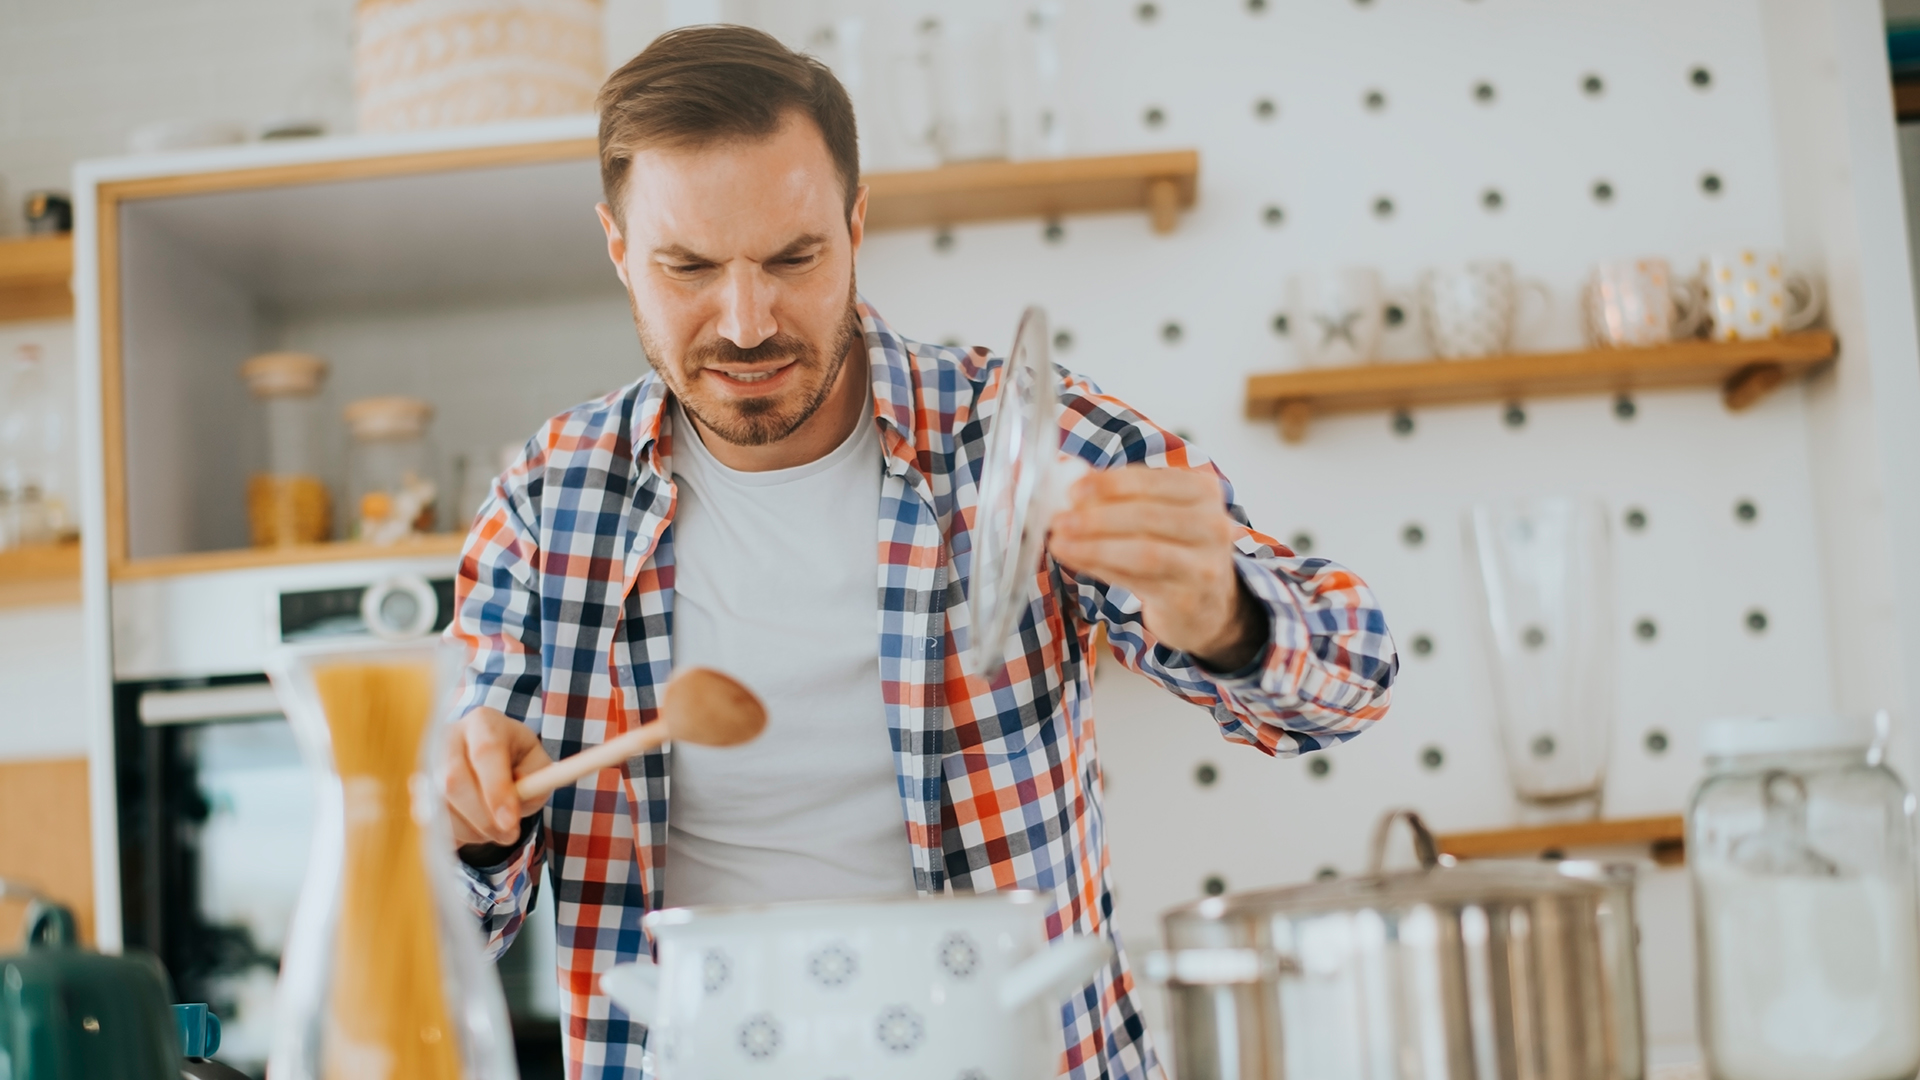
column 788, row 496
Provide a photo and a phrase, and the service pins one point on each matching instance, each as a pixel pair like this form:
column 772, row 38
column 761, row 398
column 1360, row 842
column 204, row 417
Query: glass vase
column 383, row 977
column 1542, row 577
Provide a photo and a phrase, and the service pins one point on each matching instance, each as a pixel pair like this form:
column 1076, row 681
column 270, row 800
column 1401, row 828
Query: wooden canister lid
column 284, row 374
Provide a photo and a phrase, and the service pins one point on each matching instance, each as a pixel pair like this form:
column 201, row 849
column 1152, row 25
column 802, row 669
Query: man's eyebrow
column 679, row 253
column 798, row 245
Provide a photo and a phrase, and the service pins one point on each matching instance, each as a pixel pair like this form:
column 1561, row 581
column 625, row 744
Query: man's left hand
column 1164, row 535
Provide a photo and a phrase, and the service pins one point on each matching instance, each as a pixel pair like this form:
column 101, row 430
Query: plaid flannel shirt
column 565, row 599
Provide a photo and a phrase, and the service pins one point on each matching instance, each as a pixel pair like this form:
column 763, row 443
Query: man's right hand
column 486, row 751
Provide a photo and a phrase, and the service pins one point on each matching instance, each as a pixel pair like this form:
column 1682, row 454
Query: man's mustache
column 722, row 351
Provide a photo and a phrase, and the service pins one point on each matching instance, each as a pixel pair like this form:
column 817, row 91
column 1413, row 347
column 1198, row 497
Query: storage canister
column 1482, row 969
column 288, row 503
column 1800, row 844
column 394, row 486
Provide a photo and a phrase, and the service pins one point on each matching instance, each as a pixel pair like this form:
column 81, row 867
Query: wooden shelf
column 206, row 562
column 1162, row 184
column 1665, row 838
column 1745, row 372
column 41, row 574
column 34, row 272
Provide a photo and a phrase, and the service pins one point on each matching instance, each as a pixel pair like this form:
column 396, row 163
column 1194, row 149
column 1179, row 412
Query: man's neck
column 822, row 433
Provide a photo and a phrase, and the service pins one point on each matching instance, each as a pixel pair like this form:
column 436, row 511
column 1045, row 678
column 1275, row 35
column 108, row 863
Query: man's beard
column 755, row 421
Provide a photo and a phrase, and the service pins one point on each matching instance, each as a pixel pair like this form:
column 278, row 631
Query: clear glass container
column 1800, row 846
column 288, row 503
column 35, row 458
column 1543, row 577
column 383, row 977
column 395, row 493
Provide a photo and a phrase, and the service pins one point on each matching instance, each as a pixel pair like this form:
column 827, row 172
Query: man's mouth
column 750, row 376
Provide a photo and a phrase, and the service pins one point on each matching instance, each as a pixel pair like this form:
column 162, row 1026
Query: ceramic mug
column 1751, row 296
column 1472, row 310
column 1335, row 317
column 1636, row 302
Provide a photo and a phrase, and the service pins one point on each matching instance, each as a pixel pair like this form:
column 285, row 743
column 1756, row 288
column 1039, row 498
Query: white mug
column 1471, row 310
column 1636, row 302
column 1751, row 296
column 1335, row 317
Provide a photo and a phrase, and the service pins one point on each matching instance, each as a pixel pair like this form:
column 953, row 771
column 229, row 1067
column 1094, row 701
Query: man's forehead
column 734, row 193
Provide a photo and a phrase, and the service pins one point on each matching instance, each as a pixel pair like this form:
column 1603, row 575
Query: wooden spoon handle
column 537, row 785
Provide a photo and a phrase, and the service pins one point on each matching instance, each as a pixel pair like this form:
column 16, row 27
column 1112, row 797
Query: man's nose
column 746, row 307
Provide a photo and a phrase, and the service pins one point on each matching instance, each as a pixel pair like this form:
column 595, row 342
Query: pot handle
column 1424, row 846
column 634, row 987
column 1064, row 967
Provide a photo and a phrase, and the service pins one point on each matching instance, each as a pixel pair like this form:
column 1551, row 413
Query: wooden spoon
column 699, row 705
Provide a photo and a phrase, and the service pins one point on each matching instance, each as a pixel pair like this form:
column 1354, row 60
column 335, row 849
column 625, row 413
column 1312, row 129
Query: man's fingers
column 1141, row 482
column 1184, row 524
column 491, row 757
column 469, row 808
column 1128, row 563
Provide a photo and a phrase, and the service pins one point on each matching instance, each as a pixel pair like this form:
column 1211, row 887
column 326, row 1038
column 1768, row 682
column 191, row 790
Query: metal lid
column 1439, row 880
column 1738, row 736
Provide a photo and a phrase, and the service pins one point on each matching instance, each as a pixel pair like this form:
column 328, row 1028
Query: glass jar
column 1546, row 628
column 35, row 461
column 382, row 977
column 288, row 503
column 394, row 491
column 1800, row 846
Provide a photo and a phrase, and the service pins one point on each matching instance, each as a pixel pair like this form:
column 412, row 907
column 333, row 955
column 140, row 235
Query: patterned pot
column 964, row 988
column 444, row 63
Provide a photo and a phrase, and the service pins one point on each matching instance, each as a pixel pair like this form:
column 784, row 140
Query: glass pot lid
column 1022, row 482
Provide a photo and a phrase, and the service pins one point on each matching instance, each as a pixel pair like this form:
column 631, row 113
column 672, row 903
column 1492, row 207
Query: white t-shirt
column 776, row 583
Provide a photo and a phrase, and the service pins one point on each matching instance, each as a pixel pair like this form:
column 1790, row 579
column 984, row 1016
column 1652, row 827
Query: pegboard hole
column 1302, row 543
column 1543, row 746
column 1063, row 339
column 1413, row 535
column 1745, row 512
column 1484, row 93
column 1383, row 208
column 1533, row 637
column 1422, row 645
column 1256, row 6
column 1375, row 100
column 1515, row 416
column 943, row 241
column 1171, row 332
column 1319, row 767
column 1273, row 216
column 1432, row 757
column 1701, row 78
column 1756, row 621
column 1265, row 109
column 1593, row 85
column 1491, row 199
column 1656, row 742
column 1710, row 183
column 1646, row 630
column 1402, row 422
column 1054, row 232
column 1635, row 518
column 1214, row 885
column 1280, row 324
column 1602, row 192
column 1206, row 775
column 950, row 341
column 1146, row 13
column 1624, row 408
column 1326, row 873
column 1154, row 116
column 1393, row 314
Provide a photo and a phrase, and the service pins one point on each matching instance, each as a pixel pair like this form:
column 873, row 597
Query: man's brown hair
column 705, row 84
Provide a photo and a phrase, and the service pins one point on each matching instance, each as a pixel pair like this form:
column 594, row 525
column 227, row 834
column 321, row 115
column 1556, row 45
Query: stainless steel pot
column 1477, row 971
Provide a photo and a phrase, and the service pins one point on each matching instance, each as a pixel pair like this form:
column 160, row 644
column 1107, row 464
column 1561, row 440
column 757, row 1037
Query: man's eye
column 797, row 260
column 687, row 268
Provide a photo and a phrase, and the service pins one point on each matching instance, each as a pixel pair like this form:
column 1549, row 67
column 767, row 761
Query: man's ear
column 617, row 243
column 857, row 218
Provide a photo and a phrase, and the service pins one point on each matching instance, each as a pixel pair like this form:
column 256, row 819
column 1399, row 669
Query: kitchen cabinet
column 33, row 278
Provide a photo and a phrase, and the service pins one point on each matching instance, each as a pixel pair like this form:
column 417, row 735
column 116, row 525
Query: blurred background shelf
column 1665, row 838
column 40, row 574
column 34, row 272
column 1162, row 184
column 204, row 562
column 1745, row 372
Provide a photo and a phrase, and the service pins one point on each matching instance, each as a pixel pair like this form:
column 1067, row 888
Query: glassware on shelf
column 383, row 976
column 288, row 503
column 34, row 457
column 1800, row 843
column 1542, row 576
column 394, row 490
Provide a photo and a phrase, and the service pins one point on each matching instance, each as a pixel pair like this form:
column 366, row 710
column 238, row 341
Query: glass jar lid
column 284, row 374
column 1741, row 736
column 376, row 418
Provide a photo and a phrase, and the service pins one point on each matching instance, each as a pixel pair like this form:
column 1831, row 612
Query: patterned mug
column 1751, row 296
column 1335, row 317
column 1636, row 302
column 1472, row 310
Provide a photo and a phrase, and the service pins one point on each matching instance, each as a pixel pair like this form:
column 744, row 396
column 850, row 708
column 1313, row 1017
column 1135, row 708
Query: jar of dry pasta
column 394, row 481
column 288, row 503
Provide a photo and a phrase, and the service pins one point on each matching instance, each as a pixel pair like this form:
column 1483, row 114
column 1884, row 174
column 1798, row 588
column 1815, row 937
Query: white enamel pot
column 966, row 988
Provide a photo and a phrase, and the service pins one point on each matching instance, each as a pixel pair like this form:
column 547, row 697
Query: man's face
column 738, row 259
